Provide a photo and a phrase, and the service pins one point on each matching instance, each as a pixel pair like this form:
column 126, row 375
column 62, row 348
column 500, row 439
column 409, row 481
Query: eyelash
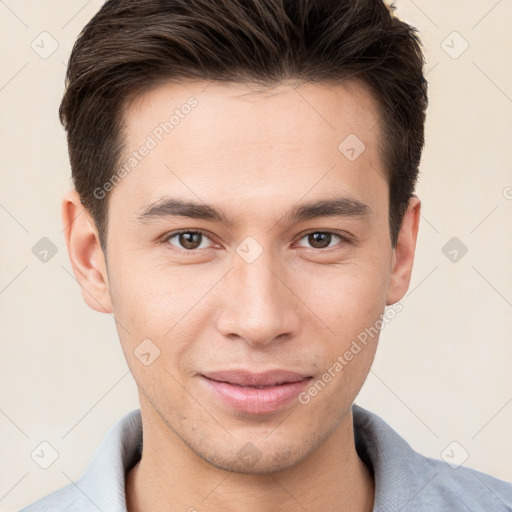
column 344, row 239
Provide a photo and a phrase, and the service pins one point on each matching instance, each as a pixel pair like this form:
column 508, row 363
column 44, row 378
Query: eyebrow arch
column 336, row 207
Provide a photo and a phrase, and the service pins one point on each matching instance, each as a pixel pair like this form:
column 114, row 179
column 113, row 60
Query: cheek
column 350, row 300
column 349, row 296
column 153, row 296
column 159, row 303
column 154, row 327
column 351, row 305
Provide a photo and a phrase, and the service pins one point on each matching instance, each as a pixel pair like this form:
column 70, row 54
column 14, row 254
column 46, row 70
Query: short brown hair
column 130, row 46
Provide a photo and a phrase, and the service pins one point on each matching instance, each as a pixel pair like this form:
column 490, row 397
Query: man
column 244, row 206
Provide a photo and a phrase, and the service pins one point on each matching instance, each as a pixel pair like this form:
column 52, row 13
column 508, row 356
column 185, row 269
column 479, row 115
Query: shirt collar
column 402, row 476
column 103, row 481
column 400, row 473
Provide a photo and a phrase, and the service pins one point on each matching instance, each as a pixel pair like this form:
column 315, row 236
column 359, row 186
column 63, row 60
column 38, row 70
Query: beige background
column 443, row 369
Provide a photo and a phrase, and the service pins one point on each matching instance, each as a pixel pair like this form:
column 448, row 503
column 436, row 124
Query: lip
column 256, row 393
column 246, row 378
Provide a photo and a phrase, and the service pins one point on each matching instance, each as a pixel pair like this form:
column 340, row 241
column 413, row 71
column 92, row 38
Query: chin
column 249, row 458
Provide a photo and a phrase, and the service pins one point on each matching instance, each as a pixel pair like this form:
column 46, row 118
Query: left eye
column 321, row 239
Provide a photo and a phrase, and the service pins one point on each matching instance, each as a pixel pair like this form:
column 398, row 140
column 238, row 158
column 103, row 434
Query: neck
column 171, row 477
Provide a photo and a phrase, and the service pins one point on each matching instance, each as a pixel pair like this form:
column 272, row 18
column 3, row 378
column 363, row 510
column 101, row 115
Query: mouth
column 246, row 378
column 255, row 393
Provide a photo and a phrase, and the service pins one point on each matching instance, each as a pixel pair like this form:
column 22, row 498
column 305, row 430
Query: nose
column 258, row 305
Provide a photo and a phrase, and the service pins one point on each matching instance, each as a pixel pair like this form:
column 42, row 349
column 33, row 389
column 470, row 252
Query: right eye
column 187, row 240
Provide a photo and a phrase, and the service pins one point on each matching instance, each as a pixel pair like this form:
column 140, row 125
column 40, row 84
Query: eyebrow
column 336, row 207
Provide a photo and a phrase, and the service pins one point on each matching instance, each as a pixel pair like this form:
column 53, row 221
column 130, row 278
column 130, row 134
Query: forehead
column 212, row 138
column 322, row 107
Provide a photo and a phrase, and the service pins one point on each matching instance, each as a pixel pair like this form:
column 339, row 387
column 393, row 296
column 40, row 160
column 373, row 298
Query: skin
column 254, row 154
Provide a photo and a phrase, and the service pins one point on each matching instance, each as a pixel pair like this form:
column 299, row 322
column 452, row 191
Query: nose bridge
column 257, row 285
column 258, row 306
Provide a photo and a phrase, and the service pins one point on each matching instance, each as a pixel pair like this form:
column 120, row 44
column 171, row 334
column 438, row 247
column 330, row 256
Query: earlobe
column 85, row 253
column 403, row 254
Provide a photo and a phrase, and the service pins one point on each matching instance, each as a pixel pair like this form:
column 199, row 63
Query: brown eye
column 319, row 240
column 322, row 239
column 190, row 240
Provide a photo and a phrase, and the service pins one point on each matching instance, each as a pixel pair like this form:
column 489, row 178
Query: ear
column 403, row 253
column 85, row 253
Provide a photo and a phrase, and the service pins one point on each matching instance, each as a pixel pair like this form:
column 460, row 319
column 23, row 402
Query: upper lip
column 246, row 378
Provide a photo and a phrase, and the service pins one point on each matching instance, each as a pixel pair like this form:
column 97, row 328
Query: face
column 251, row 236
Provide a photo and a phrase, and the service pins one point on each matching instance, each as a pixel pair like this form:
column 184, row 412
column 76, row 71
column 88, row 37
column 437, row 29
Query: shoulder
column 467, row 488
column 68, row 498
column 408, row 481
column 102, row 485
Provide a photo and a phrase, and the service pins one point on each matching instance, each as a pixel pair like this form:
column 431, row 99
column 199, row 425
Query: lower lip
column 256, row 400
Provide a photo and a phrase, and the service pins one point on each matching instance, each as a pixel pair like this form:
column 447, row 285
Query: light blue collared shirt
column 405, row 481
